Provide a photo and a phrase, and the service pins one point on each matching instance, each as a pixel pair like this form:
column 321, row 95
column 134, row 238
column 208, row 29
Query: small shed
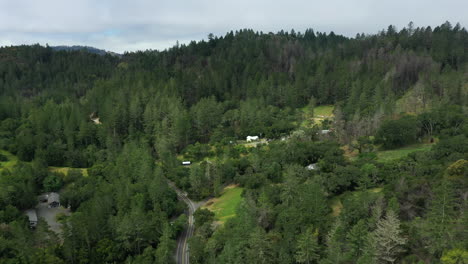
column 312, row 166
column 95, row 118
column 252, row 138
column 186, row 163
column 96, row 121
column 53, row 199
column 325, row 131
column 32, row 215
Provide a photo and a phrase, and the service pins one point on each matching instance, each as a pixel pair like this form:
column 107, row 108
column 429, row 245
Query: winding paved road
column 182, row 253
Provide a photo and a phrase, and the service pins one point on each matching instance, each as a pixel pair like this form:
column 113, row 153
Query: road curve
column 182, row 253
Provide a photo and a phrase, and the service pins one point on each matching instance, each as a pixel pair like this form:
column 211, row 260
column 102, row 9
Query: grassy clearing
column 324, row 111
column 388, row 155
column 321, row 112
column 12, row 160
column 336, row 206
column 224, row 207
column 65, row 170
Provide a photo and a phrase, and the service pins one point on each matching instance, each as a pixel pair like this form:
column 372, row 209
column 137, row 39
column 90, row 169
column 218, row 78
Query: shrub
column 53, row 182
column 397, row 133
column 3, row 158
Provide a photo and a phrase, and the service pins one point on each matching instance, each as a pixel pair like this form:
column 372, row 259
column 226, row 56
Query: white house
column 186, row 162
column 252, row 138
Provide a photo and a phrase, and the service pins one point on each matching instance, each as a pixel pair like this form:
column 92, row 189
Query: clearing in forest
column 319, row 114
column 10, row 161
column 389, row 155
column 65, row 170
column 224, row 207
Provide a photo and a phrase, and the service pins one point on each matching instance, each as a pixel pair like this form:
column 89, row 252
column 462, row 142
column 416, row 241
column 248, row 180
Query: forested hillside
column 129, row 122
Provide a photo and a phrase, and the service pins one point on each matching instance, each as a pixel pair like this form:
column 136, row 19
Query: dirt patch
column 210, row 202
column 336, row 208
column 349, row 153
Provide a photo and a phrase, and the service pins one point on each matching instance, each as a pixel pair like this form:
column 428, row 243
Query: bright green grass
column 323, row 110
column 388, row 155
column 12, row 160
column 225, row 206
column 65, row 170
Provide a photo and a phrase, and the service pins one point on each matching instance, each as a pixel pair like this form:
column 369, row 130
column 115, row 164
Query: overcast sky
column 119, row 25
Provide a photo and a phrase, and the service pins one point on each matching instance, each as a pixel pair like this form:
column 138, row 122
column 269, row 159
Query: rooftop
column 31, row 213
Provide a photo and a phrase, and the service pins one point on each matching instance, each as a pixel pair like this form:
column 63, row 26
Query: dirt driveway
column 50, row 216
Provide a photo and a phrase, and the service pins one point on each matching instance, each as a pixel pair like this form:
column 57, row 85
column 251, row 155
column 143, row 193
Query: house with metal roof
column 53, row 199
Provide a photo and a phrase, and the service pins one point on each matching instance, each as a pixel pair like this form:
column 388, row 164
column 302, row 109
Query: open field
column 65, row 170
column 323, row 111
column 388, row 155
column 224, row 207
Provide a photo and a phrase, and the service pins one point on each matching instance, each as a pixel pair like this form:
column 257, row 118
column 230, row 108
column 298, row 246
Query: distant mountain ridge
column 85, row 48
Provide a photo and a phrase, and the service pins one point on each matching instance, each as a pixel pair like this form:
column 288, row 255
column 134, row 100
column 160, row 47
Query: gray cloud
column 120, row 25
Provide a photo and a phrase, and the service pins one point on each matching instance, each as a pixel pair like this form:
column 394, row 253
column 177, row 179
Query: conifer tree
column 307, row 247
column 387, row 239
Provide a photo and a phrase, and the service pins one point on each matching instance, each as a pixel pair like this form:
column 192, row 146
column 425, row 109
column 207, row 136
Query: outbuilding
column 312, row 166
column 186, row 163
column 252, row 138
column 32, row 216
column 53, row 199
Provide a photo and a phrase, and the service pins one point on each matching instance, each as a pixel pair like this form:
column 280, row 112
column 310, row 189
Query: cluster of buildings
column 52, row 199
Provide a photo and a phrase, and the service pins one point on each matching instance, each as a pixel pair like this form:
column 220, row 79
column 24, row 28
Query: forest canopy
column 107, row 132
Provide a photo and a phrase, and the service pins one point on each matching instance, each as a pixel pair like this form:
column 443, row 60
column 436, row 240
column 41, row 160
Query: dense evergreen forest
column 118, row 127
